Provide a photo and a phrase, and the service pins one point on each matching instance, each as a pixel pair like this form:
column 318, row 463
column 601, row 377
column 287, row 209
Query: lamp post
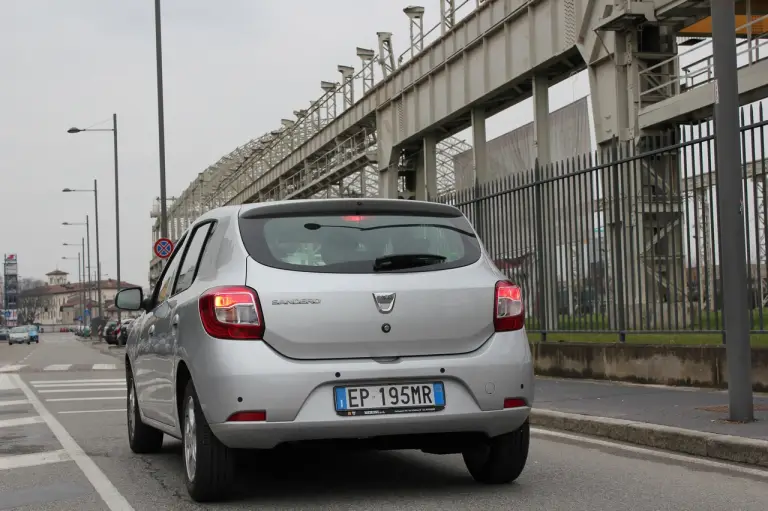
column 98, row 255
column 88, row 252
column 160, row 120
column 79, row 281
column 86, row 297
column 113, row 129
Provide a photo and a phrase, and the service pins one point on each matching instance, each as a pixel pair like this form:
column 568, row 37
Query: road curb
column 107, row 349
column 736, row 449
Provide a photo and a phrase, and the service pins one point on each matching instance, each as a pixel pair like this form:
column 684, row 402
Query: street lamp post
column 88, row 252
column 113, row 129
column 83, row 292
column 98, row 256
column 160, row 120
column 79, row 281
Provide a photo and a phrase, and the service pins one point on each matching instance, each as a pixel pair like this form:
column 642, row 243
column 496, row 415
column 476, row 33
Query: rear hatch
column 368, row 278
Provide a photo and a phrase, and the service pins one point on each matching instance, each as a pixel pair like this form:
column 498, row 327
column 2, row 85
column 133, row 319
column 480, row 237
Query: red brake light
column 514, row 402
column 232, row 313
column 248, row 417
column 353, row 218
column 508, row 311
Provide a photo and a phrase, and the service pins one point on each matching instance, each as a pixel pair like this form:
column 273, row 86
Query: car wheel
column 143, row 439
column 501, row 459
column 209, row 464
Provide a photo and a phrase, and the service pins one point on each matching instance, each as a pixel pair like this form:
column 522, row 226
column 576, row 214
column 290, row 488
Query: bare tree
column 31, row 307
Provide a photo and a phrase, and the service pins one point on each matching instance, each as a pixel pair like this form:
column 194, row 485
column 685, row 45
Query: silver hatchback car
column 374, row 321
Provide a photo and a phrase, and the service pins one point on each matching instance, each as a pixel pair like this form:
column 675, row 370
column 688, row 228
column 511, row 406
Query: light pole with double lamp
column 113, row 129
column 79, row 282
column 87, row 230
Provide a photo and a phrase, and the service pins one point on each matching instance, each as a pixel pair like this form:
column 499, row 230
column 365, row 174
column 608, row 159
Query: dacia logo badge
column 385, row 302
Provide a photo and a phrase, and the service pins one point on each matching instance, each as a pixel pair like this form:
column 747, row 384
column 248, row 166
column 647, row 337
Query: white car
column 19, row 335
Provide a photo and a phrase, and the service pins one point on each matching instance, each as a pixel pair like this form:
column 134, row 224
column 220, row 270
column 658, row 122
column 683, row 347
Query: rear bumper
column 232, row 376
column 267, row 435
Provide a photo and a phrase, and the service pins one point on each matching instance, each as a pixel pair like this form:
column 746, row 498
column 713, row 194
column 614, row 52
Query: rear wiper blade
column 403, row 261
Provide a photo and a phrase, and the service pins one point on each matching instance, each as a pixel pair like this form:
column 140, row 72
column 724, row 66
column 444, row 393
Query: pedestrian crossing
column 39, row 427
column 26, row 368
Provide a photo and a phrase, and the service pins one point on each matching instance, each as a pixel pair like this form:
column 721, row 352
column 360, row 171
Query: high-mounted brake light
column 232, row 313
column 353, row 218
column 508, row 311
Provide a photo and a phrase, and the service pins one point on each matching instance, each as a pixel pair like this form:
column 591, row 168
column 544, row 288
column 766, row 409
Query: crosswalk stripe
column 32, row 460
column 14, row 402
column 22, row 421
column 97, row 398
column 121, row 388
column 6, row 383
column 75, row 385
column 35, row 383
column 92, row 411
column 57, row 367
column 104, row 367
column 12, row 368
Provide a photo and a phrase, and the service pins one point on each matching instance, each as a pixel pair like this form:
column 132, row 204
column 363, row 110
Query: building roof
column 75, row 287
column 56, row 273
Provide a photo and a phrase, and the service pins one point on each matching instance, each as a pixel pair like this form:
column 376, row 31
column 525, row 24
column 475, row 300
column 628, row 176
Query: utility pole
column 731, row 204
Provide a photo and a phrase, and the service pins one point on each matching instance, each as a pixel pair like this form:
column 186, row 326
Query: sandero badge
column 297, row 301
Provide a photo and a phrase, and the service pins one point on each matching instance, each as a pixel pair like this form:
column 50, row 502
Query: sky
column 232, row 70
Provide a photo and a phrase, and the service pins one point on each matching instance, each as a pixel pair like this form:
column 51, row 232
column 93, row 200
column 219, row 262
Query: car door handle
column 152, row 330
column 175, row 321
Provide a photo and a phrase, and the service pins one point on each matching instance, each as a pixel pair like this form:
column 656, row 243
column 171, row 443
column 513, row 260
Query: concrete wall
column 701, row 366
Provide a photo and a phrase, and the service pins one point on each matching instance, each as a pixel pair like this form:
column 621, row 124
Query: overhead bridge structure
column 386, row 126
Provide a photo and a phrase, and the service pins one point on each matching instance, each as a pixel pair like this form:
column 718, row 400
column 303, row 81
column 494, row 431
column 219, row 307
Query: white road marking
column 75, row 385
column 99, row 398
column 652, row 452
column 22, row 421
column 12, row 368
column 104, row 367
column 93, row 411
column 109, row 494
column 33, row 460
column 57, row 367
column 35, row 383
column 14, row 402
column 121, row 388
column 6, row 383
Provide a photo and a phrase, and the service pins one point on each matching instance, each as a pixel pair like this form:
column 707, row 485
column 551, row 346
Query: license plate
column 389, row 399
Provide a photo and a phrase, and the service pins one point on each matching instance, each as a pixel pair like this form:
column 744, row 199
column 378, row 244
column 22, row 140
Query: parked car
column 376, row 321
column 122, row 330
column 19, row 335
column 34, row 334
column 4, row 333
column 109, row 332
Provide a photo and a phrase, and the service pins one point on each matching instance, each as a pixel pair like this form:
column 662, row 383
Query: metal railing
column 655, row 81
column 599, row 247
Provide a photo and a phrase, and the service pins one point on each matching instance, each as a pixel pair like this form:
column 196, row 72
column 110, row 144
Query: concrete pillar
column 482, row 172
column 547, row 249
column 426, row 170
column 541, row 144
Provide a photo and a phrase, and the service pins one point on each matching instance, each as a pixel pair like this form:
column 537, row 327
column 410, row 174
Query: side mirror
column 130, row 299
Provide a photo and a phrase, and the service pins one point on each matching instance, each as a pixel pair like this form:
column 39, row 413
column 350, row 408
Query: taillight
column 232, row 313
column 248, row 417
column 508, row 312
column 514, row 402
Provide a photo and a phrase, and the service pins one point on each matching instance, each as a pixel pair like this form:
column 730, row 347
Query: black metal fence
column 625, row 240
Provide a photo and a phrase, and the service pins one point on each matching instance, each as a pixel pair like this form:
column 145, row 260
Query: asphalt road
column 63, row 447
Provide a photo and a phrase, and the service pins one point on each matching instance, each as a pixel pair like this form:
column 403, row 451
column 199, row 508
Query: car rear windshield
column 371, row 243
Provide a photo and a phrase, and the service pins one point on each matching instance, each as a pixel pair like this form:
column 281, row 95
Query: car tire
column 143, row 439
column 209, row 465
column 501, row 459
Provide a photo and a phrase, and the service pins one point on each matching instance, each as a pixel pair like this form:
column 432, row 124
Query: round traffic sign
column 163, row 248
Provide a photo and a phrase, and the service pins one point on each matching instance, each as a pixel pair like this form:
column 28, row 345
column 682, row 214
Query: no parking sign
column 163, row 248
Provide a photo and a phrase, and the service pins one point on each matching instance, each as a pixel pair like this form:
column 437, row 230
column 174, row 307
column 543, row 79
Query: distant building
column 60, row 302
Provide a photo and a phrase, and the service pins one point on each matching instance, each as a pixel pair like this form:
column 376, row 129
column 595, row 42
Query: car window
column 189, row 265
column 164, row 286
column 360, row 244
